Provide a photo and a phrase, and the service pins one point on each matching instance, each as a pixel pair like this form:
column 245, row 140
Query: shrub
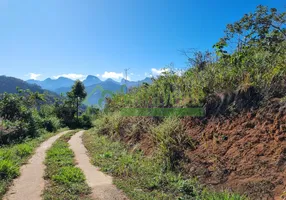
column 8, row 170
column 109, row 124
column 23, row 150
column 51, row 124
column 171, row 139
column 84, row 121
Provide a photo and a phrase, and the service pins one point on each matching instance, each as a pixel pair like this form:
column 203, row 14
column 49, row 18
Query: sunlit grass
column 142, row 177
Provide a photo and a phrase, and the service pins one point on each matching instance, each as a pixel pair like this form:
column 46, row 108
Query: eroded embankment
column 245, row 152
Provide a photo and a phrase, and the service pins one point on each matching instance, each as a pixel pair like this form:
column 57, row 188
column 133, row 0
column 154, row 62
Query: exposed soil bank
column 245, row 153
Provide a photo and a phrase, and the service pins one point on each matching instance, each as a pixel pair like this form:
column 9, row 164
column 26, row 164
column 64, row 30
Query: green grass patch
column 145, row 178
column 65, row 181
column 13, row 156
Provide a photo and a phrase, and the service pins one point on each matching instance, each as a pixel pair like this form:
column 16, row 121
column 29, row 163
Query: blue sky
column 49, row 38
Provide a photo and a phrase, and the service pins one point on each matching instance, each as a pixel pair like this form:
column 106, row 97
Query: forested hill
column 10, row 84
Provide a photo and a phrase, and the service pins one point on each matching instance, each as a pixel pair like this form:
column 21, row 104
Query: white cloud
column 148, row 74
column 180, row 72
column 72, row 76
column 34, row 76
column 112, row 75
column 98, row 75
column 158, row 72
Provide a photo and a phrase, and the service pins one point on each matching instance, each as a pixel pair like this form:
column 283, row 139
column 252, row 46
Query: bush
column 51, row 124
column 23, row 150
column 171, row 139
column 84, row 121
column 8, row 170
column 109, row 124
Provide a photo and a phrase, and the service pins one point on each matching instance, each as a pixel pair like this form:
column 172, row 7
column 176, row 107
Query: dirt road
column 101, row 184
column 30, row 184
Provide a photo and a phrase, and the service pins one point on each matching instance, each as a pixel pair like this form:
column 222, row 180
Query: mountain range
column 10, row 84
column 93, row 85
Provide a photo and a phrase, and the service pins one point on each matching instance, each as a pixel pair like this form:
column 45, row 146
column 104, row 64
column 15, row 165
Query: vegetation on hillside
column 25, row 120
column 25, row 113
column 250, row 57
column 246, row 69
column 10, row 85
column 145, row 178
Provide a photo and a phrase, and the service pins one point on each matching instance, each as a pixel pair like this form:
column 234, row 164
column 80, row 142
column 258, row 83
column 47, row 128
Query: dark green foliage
column 8, row 170
column 9, row 85
column 66, row 113
column 77, row 95
column 51, row 124
column 68, row 110
column 22, row 114
column 85, row 121
column 17, row 117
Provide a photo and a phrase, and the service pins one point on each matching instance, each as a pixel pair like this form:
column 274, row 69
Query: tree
column 264, row 29
column 77, row 94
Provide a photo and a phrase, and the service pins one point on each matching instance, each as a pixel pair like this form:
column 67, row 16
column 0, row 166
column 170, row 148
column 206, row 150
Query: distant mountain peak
column 110, row 80
column 63, row 78
column 91, row 80
column 123, row 81
column 91, row 77
column 63, row 85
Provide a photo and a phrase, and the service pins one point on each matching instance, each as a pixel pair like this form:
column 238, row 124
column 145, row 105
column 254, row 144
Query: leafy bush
column 8, row 170
column 171, row 139
column 109, row 124
column 85, row 121
column 51, row 124
column 23, row 150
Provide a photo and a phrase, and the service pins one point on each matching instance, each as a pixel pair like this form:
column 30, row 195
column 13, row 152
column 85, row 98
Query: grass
column 13, row 156
column 65, row 181
column 145, row 178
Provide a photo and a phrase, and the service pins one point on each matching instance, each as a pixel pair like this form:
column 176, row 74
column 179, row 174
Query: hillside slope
column 245, row 152
column 10, row 84
column 239, row 145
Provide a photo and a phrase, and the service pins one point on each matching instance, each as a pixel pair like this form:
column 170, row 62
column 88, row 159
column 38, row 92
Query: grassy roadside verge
column 65, row 180
column 144, row 178
column 13, row 156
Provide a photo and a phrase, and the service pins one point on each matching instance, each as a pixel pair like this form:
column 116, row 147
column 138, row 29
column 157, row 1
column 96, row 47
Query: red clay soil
column 245, row 153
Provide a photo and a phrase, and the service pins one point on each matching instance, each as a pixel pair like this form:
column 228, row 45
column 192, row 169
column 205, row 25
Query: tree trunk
column 77, row 108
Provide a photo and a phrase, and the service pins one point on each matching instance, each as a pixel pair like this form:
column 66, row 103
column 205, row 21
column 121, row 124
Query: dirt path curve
column 101, row 184
column 30, row 184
